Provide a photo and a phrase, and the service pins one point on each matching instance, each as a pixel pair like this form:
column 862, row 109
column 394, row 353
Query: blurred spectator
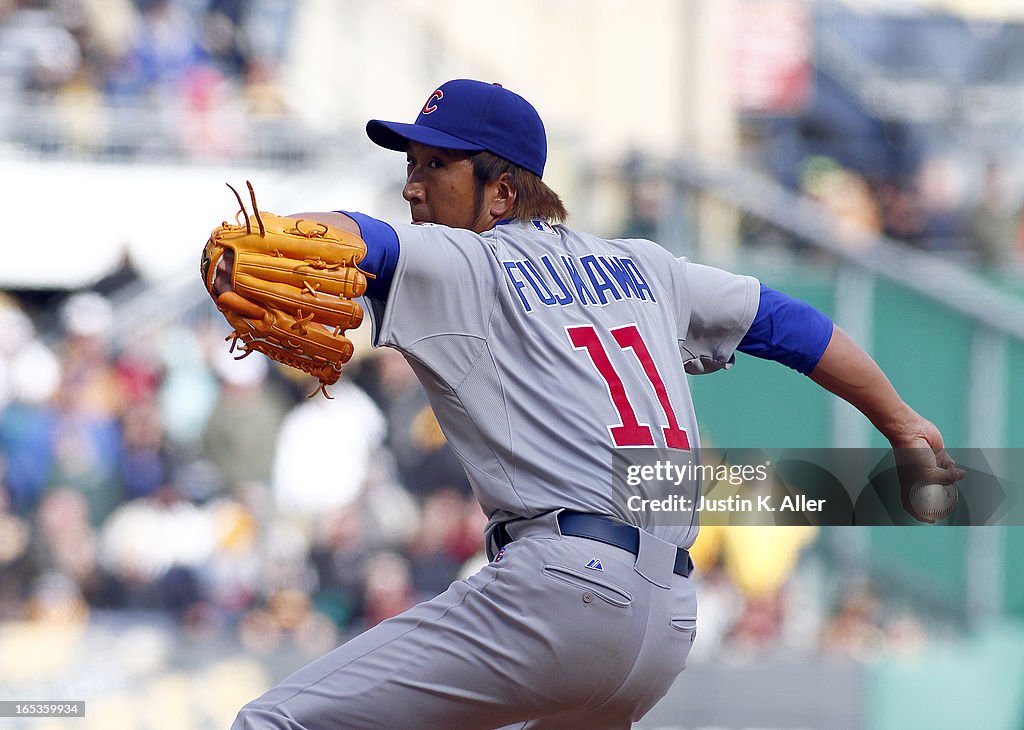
column 152, row 548
column 469, row 543
column 306, row 480
column 422, row 456
column 106, row 29
column 905, row 634
column 81, row 112
column 25, row 361
column 29, row 378
column 137, row 373
column 437, row 466
column 166, row 46
column 188, row 390
column 340, row 554
column 864, row 628
column 240, row 435
column 854, row 629
column 284, row 548
column 232, row 575
column 37, row 53
column 720, row 598
column 436, row 549
column 288, row 615
column 89, row 384
column 399, row 395
column 15, row 541
column 387, row 588
column 86, row 431
column 145, row 462
column 759, row 624
column 647, row 197
column 213, row 122
column 389, row 510
column 993, row 222
column 940, row 194
column 223, row 35
column 262, row 91
column 847, row 196
column 67, row 543
column 901, row 216
column 57, row 601
column 267, row 28
column 760, row 562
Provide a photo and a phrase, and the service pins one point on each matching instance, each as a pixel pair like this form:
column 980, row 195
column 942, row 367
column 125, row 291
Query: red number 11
column 629, row 432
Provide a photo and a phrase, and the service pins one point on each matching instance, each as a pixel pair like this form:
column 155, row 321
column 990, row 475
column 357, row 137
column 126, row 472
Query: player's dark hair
column 534, row 199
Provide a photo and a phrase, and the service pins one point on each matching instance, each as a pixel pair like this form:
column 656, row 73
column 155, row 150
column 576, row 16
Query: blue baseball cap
column 472, row 116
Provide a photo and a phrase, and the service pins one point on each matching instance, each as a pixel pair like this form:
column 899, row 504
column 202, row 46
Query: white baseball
column 934, row 501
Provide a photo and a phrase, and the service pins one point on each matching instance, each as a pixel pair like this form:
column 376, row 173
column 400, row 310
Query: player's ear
column 504, row 198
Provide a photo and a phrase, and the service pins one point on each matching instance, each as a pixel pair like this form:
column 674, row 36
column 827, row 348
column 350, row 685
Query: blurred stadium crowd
column 206, row 77
column 170, row 477
column 971, row 215
column 203, row 71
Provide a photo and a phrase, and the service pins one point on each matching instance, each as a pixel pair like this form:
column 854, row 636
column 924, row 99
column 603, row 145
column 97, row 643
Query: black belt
column 606, row 530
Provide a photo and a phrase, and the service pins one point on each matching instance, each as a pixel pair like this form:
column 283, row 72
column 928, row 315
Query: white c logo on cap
column 430, row 106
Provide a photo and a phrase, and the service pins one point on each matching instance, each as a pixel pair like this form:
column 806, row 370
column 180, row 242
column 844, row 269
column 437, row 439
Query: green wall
column 924, row 348
column 925, row 351
column 761, row 404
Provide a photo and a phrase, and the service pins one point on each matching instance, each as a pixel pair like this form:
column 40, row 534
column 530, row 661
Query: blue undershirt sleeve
column 381, row 253
column 788, row 331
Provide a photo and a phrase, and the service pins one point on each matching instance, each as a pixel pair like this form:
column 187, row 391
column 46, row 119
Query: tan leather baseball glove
column 287, row 287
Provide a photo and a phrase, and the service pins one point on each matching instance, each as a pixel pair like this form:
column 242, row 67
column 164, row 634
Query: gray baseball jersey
column 545, row 350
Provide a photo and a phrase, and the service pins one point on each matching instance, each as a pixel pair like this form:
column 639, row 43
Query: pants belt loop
column 546, row 523
column 655, row 560
column 499, row 535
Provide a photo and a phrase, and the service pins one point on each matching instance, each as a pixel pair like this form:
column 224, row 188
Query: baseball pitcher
column 546, row 352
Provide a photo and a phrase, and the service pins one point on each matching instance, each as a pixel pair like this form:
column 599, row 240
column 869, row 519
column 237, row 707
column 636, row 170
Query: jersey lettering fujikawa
column 589, row 280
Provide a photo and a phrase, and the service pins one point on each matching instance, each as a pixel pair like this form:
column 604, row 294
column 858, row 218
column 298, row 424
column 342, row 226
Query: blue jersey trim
column 788, row 331
column 381, row 258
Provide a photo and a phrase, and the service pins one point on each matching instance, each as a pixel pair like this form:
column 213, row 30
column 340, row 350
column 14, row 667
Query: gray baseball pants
column 536, row 639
